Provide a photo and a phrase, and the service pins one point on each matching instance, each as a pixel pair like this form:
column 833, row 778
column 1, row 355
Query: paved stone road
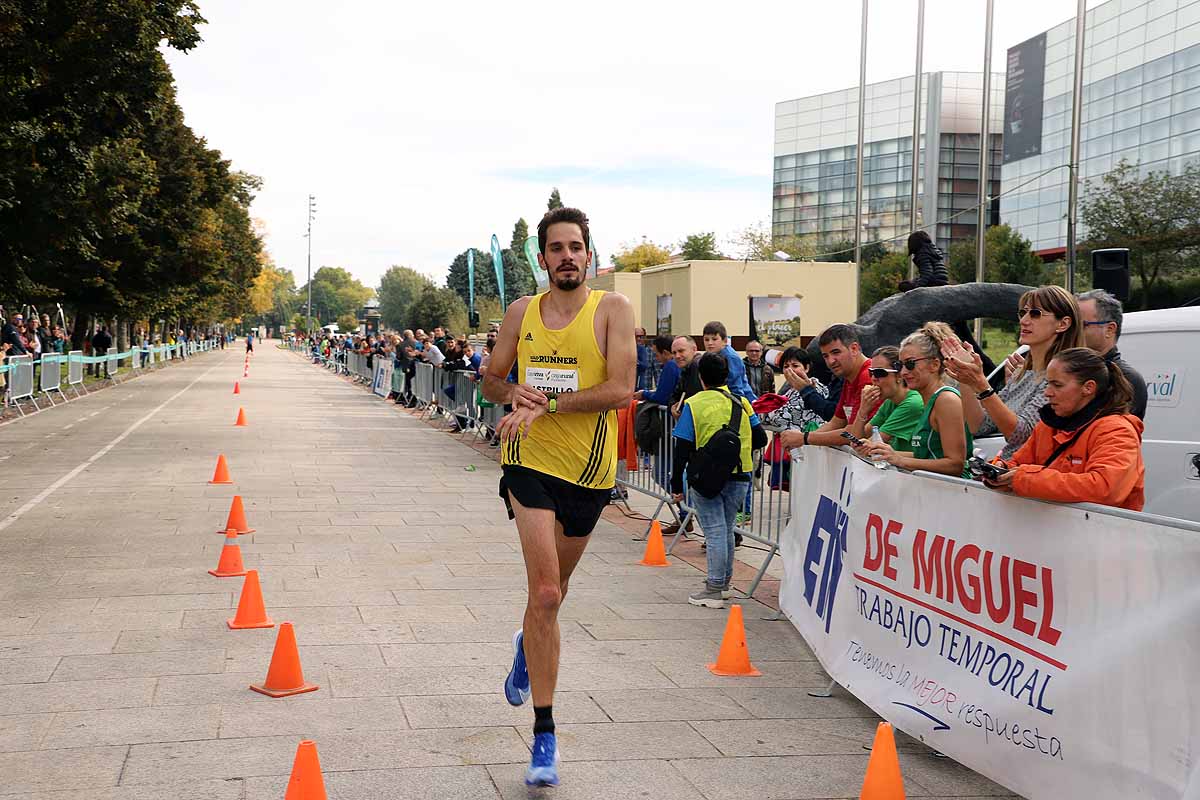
column 120, row 681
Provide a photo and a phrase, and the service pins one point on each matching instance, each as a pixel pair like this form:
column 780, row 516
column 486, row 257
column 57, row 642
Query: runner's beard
column 566, row 284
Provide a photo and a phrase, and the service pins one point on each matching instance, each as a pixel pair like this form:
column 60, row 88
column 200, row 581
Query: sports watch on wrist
column 552, row 402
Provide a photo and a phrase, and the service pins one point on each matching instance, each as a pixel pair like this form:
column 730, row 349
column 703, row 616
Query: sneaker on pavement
column 673, row 528
column 727, row 591
column 516, row 685
column 543, row 765
column 708, row 598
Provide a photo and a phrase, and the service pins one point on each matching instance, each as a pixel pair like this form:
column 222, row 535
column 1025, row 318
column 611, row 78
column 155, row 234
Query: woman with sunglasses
column 1049, row 323
column 1087, row 448
column 901, row 409
column 941, row 440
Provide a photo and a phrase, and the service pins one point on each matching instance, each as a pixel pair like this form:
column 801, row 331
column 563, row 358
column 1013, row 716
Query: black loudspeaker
column 1110, row 271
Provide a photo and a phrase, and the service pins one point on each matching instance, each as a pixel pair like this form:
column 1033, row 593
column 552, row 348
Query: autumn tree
column 757, row 243
column 635, row 257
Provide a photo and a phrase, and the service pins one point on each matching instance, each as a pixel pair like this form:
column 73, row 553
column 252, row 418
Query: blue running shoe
column 516, row 685
column 543, row 766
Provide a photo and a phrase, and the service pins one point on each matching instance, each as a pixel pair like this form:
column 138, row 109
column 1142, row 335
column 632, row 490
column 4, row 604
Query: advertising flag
column 498, row 263
column 471, row 278
column 540, row 277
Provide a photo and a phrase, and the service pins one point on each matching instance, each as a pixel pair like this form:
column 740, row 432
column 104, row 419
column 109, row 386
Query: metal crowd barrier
column 21, row 370
column 768, row 504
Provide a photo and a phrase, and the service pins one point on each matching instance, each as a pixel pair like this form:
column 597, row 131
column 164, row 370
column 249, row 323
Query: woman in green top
column 901, row 410
column 941, row 441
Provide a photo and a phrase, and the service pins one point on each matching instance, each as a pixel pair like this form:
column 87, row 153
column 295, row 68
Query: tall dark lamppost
column 312, row 211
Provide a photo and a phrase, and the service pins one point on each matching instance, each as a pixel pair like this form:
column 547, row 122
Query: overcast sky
column 424, row 128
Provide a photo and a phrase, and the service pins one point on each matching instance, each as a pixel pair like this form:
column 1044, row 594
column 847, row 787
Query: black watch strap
column 985, row 394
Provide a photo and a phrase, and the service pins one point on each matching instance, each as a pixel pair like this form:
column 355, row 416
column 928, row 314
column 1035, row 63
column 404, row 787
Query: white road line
column 54, row 487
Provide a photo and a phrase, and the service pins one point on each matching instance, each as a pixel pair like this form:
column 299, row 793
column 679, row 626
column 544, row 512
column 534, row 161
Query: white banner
column 1055, row 650
column 382, row 385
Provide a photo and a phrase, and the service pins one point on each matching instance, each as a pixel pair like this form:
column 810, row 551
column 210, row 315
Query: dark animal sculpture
column 893, row 318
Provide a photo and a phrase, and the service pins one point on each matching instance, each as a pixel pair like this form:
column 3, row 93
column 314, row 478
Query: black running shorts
column 575, row 507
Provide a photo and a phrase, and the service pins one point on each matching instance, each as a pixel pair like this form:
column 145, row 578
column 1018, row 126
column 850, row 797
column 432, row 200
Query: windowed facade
column 1141, row 104
column 816, row 148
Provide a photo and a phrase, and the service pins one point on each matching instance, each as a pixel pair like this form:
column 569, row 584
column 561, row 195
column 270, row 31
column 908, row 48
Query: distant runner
column 576, row 362
column 250, row 342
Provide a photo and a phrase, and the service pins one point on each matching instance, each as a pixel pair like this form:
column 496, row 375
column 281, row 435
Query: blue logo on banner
column 826, row 544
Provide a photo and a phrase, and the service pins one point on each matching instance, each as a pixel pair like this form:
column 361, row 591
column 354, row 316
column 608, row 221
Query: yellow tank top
column 580, row 448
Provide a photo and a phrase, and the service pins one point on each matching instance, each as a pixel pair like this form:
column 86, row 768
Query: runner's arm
column 617, row 391
column 496, row 388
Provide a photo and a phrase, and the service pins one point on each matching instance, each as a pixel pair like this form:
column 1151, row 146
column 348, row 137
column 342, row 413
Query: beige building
column 696, row 292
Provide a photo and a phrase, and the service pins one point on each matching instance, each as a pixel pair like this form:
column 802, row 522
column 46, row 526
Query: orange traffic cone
column 284, row 676
column 734, row 656
column 230, row 563
column 236, row 388
column 656, row 554
column 251, row 612
column 883, row 780
column 241, row 420
column 237, row 518
column 221, row 475
column 306, row 782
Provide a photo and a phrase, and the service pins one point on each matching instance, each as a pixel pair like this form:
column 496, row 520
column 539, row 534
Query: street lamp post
column 312, row 210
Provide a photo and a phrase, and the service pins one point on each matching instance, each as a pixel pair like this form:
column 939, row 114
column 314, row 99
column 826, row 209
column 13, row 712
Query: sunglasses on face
column 911, row 363
column 879, row 373
column 1031, row 312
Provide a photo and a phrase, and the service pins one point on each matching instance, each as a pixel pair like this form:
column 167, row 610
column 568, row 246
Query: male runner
column 576, row 361
column 250, row 342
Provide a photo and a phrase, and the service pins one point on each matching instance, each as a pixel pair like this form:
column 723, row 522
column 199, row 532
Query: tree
column 265, row 293
column 880, row 278
column 347, row 323
column 398, row 288
column 518, row 280
column 555, row 200
column 639, row 256
column 1157, row 217
column 843, row 251
column 519, row 235
column 1010, row 259
column 335, row 293
column 756, row 243
column 438, row 306
column 700, row 247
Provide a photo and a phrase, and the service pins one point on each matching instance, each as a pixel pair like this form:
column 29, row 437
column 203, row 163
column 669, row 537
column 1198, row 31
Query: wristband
column 806, row 437
column 985, row 394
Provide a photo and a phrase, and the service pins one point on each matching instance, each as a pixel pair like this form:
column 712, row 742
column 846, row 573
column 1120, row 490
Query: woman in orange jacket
column 1087, row 447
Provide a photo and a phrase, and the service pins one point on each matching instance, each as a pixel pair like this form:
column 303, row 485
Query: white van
column 1164, row 346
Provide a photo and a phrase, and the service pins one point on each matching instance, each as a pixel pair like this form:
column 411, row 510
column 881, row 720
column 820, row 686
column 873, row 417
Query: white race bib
column 559, row 381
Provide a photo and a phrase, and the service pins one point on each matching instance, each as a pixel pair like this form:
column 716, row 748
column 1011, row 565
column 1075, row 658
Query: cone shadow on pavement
column 221, row 473
column 229, row 565
column 251, row 611
column 734, row 657
column 883, row 780
column 656, row 554
column 285, row 677
column 237, row 517
column 306, row 782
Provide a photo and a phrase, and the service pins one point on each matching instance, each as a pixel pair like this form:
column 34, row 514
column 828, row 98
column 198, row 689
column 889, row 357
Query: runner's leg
column 539, row 532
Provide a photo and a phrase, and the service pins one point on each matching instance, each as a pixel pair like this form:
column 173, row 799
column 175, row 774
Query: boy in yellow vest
column 576, row 362
column 703, row 415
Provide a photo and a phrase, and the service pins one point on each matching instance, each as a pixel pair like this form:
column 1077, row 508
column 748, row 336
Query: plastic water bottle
column 877, row 459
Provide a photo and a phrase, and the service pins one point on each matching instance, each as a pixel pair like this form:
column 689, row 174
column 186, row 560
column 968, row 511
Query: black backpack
column 712, row 465
column 648, row 428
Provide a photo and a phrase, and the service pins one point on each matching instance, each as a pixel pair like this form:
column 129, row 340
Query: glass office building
column 1141, row 103
column 816, row 148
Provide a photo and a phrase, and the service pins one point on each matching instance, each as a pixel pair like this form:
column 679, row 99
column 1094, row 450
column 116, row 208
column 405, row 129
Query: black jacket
column 931, row 266
column 10, row 335
column 1140, row 396
column 101, row 341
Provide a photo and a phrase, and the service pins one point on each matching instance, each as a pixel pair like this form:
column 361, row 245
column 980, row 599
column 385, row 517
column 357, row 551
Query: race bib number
column 559, row 381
